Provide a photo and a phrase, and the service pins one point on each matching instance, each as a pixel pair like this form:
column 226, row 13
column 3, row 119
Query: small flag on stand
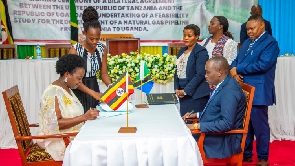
column 6, row 28
column 117, row 93
column 73, row 22
column 144, row 80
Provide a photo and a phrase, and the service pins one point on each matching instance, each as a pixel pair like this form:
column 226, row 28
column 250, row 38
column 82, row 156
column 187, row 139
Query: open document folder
column 106, row 111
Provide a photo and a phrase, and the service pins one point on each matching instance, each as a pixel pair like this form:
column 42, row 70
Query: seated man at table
column 224, row 111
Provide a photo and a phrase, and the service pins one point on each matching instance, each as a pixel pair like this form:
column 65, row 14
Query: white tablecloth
column 34, row 76
column 162, row 138
column 282, row 115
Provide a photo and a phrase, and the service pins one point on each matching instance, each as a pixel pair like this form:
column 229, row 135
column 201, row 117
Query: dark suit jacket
column 196, row 86
column 257, row 66
column 243, row 33
column 223, row 112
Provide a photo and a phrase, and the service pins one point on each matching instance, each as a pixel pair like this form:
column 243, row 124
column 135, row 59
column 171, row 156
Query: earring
column 66, row 79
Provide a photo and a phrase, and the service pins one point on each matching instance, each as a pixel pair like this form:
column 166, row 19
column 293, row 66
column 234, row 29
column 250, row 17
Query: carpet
column 281, row 154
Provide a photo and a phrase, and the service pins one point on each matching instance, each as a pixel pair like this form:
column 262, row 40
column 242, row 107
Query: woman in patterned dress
column 221, row 42
column 94, row 54
column 60, row 110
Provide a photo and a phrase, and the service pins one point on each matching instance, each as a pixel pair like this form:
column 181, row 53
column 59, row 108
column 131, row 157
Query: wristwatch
column 197, row 126
column 184, row 92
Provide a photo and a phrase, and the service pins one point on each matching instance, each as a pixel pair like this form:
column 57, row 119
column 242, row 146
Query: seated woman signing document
column 60, row 110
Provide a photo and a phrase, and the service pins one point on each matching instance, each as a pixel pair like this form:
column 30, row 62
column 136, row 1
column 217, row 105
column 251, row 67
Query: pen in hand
column 190, row 113
column 93, row 109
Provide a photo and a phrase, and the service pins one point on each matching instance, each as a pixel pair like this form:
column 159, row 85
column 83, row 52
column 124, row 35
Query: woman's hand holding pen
column 91, row 114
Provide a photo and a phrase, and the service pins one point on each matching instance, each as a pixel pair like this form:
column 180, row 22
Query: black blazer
column 243, row 33
column 196, row 86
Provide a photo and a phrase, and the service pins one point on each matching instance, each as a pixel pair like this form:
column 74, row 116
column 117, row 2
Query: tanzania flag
column 144, row 80
column 117, row 94
column 6, row 29
column 74, row 22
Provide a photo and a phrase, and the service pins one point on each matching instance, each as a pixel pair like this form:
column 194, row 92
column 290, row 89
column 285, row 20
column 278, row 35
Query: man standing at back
column 255, row 65
column 255, row 9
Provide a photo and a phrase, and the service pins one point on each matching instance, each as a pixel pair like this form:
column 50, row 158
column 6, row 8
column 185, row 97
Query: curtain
column 29, row 50
column 281, row 16
column 153, row 50
column 25, row 50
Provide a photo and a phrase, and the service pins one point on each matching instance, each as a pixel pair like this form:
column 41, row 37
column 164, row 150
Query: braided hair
column 90, row 18
column 223, row 21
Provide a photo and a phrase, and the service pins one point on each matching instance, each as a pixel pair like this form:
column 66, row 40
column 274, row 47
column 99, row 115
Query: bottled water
column 38, row 51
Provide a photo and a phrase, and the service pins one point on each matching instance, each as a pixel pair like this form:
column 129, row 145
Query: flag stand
column 127, row 129
column 142, row 105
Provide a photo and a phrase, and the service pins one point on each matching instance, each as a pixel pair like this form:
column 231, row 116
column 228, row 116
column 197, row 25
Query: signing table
column 162, row 138
column 33, row 76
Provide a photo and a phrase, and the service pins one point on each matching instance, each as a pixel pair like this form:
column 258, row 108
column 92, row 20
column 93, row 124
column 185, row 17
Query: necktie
column 208, row 102
column 250, row 45
column 212, row 93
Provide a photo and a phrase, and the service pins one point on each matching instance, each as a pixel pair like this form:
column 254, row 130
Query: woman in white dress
column 60, row 110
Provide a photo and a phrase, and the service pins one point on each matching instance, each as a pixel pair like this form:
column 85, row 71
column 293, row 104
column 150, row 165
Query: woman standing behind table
column 94, row 54
column 189, row 80
column 221, row 42
column 60, row 110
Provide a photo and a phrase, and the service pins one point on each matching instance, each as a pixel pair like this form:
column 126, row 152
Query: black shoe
column 248, row 159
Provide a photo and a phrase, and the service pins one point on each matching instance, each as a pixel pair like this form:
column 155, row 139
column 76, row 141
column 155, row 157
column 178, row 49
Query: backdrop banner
column 49, row 20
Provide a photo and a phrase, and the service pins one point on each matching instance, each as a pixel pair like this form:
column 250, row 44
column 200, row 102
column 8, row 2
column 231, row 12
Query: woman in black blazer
column 189, row 80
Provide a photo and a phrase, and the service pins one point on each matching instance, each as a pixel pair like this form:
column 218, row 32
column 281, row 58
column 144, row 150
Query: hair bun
column 89, row 14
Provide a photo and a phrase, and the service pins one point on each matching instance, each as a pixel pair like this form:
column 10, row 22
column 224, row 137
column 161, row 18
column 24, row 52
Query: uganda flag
column 6, row 29
column 117, row 94
column 73, row 22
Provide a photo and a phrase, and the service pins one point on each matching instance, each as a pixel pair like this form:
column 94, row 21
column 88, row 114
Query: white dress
column 69, row 106
column 229, row 50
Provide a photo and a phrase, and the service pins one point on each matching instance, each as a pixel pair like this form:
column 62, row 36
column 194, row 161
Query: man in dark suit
column 255, row 65
column 224, row 111
column 255, row 9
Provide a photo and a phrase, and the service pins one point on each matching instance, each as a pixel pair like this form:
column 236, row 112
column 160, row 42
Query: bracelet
column 109, row 85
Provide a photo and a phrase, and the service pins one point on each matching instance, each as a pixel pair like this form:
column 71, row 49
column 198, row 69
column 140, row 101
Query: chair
column 236, row 158
column 104, row 37
column 30, row 154
column 57, row 50
column 173, row 48
column 117, row 46
column 8, row 51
